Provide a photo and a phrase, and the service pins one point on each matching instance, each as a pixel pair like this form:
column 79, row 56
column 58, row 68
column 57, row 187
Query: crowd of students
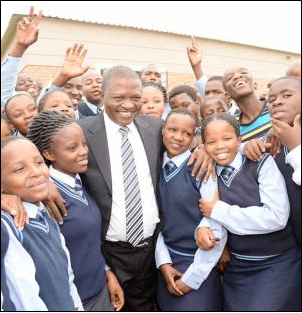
column 118, row 195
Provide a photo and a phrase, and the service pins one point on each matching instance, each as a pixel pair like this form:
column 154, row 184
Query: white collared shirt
column 257, row 220
column 117, row 226
column 62, row 177
column 178, row 159
column 20, row 272
column 93, row 107
column 294, row 159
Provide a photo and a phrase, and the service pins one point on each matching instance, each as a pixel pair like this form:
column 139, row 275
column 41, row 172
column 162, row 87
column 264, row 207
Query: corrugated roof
column 168, row 30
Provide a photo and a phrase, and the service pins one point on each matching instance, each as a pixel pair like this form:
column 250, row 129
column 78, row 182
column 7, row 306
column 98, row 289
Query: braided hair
column 220, row 117
column 44, row 127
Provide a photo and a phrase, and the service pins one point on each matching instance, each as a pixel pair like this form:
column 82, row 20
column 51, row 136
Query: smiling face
column 123, row 100
column 21, row 110
column 178, row 133
column 92, row 84
column 24, row 174
column 152, row 102
column 69, row 151
column 238, row 83
column 285, row 100
column 74, row 90
column 60, row 102
column 221, row 142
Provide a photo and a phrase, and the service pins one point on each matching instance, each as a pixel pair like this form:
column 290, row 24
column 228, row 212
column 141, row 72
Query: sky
column 275, row 25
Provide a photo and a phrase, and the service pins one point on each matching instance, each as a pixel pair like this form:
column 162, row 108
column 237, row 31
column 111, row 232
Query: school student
column 212, row 105
column 45, row 278
column 153, row 100
column 61, row 141
column 188, row 279
column 20, row 110
column 253, row 205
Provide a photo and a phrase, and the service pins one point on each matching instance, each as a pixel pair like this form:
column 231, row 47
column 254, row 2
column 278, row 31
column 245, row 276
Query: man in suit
column 91, row 83
column 124, row 166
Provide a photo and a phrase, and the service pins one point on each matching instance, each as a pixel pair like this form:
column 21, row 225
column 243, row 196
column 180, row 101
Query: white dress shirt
column 117, row 226
column 294, row 159
column 20, row 272
column 256, row 220
column 204, row 260
column 95, row 109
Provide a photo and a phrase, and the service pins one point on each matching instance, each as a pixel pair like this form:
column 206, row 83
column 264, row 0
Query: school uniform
column 42, row 279
column 82, row 230
column 293, row 158
column 179, row 196
column 88, row 109
column 265, row 270
column 6, row 302
column 293, row 189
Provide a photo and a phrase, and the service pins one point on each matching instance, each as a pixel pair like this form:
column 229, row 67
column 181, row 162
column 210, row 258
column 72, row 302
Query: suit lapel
column 98, row 144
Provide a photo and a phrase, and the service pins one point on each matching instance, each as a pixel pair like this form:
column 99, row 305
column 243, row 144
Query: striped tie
column 170, row 167
column 134, row 211
column 78, row 187
column 227, row 173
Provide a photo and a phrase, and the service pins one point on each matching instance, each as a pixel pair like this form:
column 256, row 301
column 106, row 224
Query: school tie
column 170, row 167
column 227, row 173
column 134, row 210
column 78, row 187
column 40, row 216
column 99, row 110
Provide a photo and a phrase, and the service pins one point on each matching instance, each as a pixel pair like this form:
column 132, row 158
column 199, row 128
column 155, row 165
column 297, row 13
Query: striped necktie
column 78, row 187
column 227, row 173
column 170, row 167
column 134, row 210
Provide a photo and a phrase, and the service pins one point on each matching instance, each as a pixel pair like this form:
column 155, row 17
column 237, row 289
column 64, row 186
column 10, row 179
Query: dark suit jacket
column 84, row 110
column 98, row 176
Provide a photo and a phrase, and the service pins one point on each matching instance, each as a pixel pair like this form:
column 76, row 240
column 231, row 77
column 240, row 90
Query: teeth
column 221, row 155
column 126, row 114
column 240, row 83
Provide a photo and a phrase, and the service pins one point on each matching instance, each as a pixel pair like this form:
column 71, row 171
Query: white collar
column 94, row 108
column 114, row 128
column 177, row 160
column 32, row 209
column 236, row 163
column 62, row 177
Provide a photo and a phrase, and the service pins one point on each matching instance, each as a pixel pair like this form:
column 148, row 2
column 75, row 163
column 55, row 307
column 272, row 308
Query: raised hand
column 194, row 53
column 26, row 33
column 27, row 28
column 74, row 58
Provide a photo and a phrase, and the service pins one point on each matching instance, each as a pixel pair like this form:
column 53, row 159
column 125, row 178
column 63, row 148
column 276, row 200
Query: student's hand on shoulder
column 194, row 53
column 224, row 260
column 273, row 139
column 55, row 204
column 13, row 205
column 27, row 32
column 203, row 163
column 116, row 292
column 205, row 238
column 255, row 148
column 206, row 207
column 170, row 275
column 289, row 136
column 183, row 287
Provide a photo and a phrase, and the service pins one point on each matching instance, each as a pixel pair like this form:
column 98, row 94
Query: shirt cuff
column 294, row 157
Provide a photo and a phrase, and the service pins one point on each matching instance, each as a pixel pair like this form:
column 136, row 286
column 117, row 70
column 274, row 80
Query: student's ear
column 239, row 141
column 228, row 98
column 162, row 129
column 2, row 189
column 48, row 155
